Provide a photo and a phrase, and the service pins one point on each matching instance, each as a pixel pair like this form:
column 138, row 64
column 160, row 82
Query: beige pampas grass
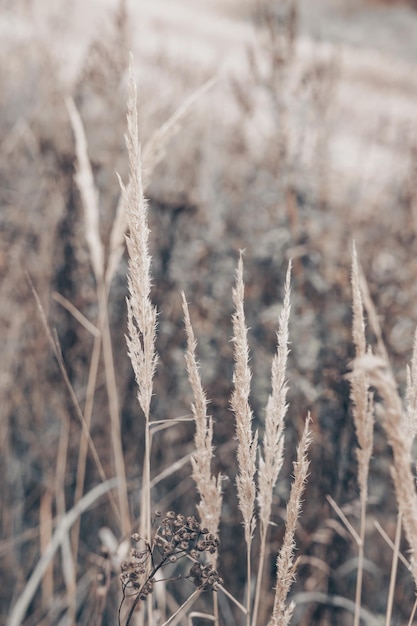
column 208, row 486
column 286, row 562
column 140, row 311
column 247, row 441
column 400, row 426
column 396, row 425
column 271, row 456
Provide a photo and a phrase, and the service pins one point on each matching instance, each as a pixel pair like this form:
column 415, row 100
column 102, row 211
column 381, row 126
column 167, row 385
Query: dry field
column 285, row 130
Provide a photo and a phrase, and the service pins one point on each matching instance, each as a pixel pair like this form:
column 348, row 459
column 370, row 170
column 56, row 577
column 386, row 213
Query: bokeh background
column 305, row 142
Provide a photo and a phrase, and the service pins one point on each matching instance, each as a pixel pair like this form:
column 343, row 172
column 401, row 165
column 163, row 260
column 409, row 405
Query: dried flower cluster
column 175, row 537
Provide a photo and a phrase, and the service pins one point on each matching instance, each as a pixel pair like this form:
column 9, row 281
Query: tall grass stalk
column 286, row 561
column 411, row 404
column 208, row 486
column 393, row 573
column 141, row 314
column 363, row 412
column 247, row 441
column 55, row 347
column 396, row 425
column 89, row 196
column 271, row 456
column 400, row 426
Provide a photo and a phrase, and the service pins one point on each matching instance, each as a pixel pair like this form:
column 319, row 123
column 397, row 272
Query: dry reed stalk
column 397, row 428
column 45, row 535
column 88, row 413
column 208, row 486
column 88, row 408
column 407, row 422
column 286, row 562
column 54, row 344
column 76, row 313
column 363, row 417
column 391, row 544
column 141, row 313
column 411, row 419
column 411, row 403
column 271, row 457
column 69, row 557
column 393, row 573
column 372, row 315
column 413, row 612
column 68, row 562
column 247, row 441
column 89, row 195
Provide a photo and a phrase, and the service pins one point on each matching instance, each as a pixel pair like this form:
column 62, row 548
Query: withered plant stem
column 247, row 441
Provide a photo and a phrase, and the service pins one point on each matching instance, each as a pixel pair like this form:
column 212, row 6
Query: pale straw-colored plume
column 363, row 417
column 208, row 486
column 247, row 441
column 397, row 426
column 271, row 455
column 141, row 314
column 286, row 561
